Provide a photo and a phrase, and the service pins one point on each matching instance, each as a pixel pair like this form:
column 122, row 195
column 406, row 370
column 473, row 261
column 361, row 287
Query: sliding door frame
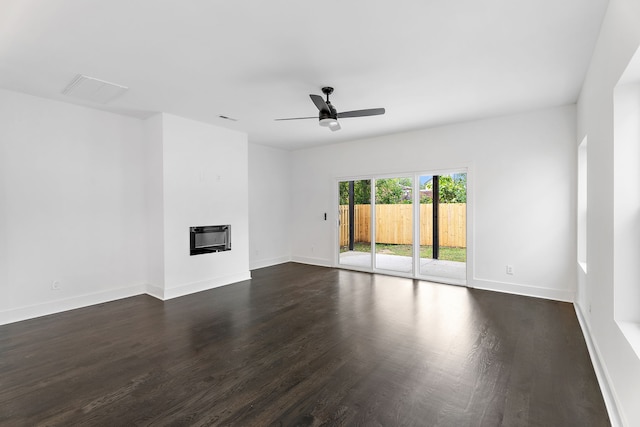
column 415, row 176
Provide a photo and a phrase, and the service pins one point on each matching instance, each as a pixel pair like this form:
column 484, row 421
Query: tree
column 389, row 191
column 453, row 189
column 361, row 191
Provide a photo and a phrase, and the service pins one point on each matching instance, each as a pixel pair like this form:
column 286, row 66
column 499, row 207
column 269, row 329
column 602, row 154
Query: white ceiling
column 427, row 62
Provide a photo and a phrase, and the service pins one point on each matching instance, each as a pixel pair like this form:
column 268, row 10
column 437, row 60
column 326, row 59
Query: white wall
column 619, row 39
column 206, row 181
column 71, row 206
column 269, row 206
column 154, row 204
column 522, row 180
column 103, row 203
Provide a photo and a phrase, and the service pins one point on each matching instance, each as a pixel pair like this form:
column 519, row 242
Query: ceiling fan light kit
column 328, row 122
column 328, row 115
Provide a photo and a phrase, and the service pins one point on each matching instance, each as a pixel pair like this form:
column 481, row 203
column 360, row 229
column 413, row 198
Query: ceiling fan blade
column 297, row 118
column 317, row 99
column 335, row 127
column 361, row 113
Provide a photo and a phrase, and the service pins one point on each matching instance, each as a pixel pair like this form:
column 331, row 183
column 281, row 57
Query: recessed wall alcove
column 627, row 202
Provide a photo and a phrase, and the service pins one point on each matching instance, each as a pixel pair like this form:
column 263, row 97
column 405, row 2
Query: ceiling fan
column 328, row 116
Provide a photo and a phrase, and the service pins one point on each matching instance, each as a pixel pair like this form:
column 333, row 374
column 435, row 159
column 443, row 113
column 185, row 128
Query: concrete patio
column 434, row 268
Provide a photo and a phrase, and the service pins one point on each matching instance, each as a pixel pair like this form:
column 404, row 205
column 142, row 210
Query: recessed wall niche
column 626, row 200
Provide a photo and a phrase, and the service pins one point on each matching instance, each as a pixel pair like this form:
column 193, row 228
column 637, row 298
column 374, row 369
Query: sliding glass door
column 394, row 224
column 443, row 227
column 354, row 218
column 408, row 225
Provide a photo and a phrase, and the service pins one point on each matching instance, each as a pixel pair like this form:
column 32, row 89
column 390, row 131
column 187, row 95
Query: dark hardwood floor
column 304, row 345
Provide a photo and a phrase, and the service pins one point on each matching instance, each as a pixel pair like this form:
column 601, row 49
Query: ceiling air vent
column 92, row 89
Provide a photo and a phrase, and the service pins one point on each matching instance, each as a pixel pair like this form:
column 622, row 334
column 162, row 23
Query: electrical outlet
column 55, row 285
column 510, row 269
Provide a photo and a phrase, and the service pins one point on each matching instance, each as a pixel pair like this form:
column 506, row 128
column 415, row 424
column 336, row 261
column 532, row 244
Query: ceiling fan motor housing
column 331, row 113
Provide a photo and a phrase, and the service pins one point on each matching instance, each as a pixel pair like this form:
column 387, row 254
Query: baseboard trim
column 155, row 291
column 72, row 303
column 269, row 262
column 66, row 304
column 601, row 372
column 525, row 290
column 321, row 262
column 203, row 285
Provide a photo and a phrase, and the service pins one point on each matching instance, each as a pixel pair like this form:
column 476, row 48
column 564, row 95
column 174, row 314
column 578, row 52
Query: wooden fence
column 394, row 224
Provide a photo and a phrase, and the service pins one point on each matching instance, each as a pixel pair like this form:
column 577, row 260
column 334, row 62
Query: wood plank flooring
column 301, row 345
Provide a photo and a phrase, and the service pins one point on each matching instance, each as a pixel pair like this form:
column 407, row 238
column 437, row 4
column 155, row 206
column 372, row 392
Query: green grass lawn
column 446, row 253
